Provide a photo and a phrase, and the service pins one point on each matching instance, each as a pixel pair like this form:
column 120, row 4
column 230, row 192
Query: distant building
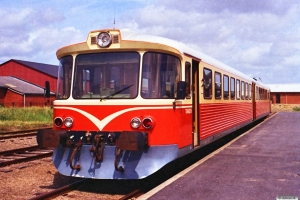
column 285, row 93
column 36, row 73
column 22, row 83
column 18, row 93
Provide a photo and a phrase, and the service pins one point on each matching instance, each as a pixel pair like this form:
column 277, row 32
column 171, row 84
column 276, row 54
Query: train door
column 253, row 101
column 195, row 103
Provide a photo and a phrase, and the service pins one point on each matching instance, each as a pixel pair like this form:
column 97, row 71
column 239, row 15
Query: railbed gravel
column 29, row 179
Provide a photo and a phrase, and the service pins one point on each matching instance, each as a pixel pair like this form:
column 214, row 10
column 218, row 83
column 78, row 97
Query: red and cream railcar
column 127, row 104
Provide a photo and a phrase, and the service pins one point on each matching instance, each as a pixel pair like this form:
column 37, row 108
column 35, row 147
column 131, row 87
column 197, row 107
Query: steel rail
column 22, row 155
column 59, row 191
column 19, row 150
column 132, row 195
column 23, row 133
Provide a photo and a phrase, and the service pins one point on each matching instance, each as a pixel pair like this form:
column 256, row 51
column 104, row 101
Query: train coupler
column 77, row 148
column 98, row 148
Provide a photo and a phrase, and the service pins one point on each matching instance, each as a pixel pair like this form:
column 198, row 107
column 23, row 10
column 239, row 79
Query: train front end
column 118, row 111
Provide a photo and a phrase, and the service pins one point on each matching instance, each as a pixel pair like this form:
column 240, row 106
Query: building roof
column 20, row 86
column 282, row 87
column 51, row 70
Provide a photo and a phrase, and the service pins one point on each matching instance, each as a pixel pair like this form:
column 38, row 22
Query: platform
column 263, row 163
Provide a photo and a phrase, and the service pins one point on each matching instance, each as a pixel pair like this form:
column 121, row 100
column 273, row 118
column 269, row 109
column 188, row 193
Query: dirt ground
column 284, row 107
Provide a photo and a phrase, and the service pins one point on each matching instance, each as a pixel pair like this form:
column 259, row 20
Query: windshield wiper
column 107, row 97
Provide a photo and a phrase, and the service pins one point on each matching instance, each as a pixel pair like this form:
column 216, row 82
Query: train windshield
column 64, row 77
column 106, row 76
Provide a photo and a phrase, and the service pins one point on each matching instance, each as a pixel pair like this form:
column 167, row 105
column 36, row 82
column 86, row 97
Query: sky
column 258, row 38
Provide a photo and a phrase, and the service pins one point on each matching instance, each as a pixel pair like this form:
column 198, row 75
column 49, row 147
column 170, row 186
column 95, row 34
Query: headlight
column 104, row 39
column 147, row 123
column 68, row 122
column 135, row 122
column 58, row 121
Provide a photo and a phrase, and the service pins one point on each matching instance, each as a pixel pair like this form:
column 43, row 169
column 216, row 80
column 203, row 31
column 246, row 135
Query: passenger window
column 243, row 90
column 250, row 91
column 238, row 89
column 188, row 80
column 226, row 87
column 246, row 86
column 207, row 83
column 218, row 85
column 232, row 88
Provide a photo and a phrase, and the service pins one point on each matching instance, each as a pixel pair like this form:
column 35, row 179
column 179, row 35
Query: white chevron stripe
column 102, row 123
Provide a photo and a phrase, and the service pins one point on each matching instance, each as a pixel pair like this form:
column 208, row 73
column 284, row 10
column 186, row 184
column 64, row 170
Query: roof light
column 104, row 39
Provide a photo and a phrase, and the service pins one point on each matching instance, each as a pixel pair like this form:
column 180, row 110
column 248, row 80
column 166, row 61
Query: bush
column 296, row 109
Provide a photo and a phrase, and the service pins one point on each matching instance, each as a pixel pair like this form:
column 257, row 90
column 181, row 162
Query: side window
column 250, row 91
column 246, row 89
column 160, row 75
column 260, row 96
column 238, row 89
column 257, row 93
column 218, row 85
column 232, row 88
column 188, row 79
column 226, row 87
column 207, row 83
column 64, row 77
column 243, row 90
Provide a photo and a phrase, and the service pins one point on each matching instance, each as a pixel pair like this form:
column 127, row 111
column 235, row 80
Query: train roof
column 184, row 49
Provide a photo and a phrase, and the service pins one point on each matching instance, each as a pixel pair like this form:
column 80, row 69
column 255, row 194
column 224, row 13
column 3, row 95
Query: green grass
column 12, row 119
column 296, row 108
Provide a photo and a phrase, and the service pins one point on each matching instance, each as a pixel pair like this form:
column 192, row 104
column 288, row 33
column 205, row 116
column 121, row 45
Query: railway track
column 59, row 191
column 16, row 134
column 23, row 154
column 74, row 186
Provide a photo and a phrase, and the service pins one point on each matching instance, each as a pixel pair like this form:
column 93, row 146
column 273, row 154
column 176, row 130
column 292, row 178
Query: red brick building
column 285, row 93
column 35, row 73
column 22, row 83
column 18, row 93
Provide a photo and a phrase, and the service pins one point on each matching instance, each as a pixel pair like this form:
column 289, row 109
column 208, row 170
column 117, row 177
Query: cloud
column 277, row 7
column 29, row 34
column 259, row 38
column 247, row 35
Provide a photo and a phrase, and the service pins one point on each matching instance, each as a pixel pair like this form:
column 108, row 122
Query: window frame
column 246, row 90
column 226, row 97
column 238, row 89
column 232, row 95
column 242, row 90
column 209, row 87
column 250, row 91
column 220, row 87
column 188, row 79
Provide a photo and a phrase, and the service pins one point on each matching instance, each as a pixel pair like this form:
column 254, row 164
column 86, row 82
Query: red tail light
column 147, row 123
column 58, row 121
